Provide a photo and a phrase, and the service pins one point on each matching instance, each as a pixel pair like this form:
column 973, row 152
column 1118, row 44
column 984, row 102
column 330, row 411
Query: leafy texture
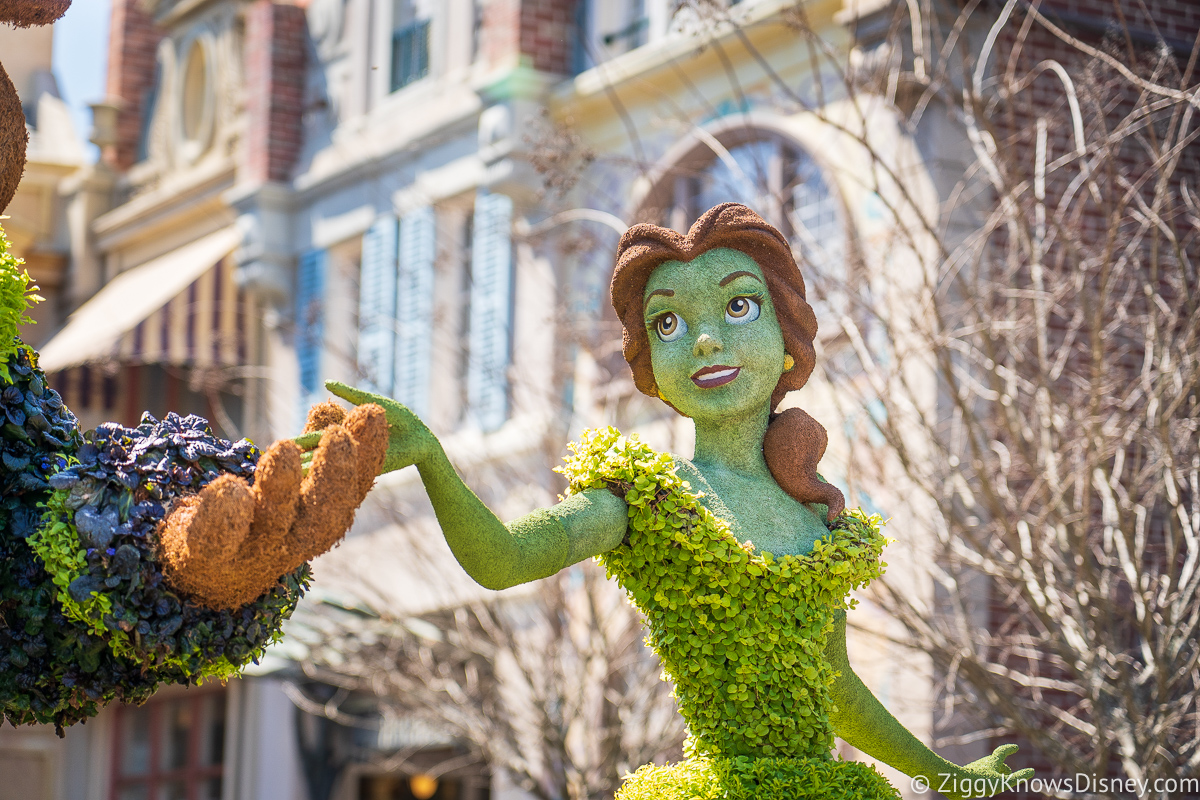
column 85, row 618
column 15, row 298
column 99, row 544
column 743, row 778
column 741, row 634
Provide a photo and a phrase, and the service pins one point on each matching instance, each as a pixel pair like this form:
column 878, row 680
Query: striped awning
column 181, row 308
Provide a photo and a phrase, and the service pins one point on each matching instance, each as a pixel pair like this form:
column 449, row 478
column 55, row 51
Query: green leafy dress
column 741, row 634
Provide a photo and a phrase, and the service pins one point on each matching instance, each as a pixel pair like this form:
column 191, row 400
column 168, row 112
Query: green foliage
column 15, row 299
column 52, row 670
column 98, row 541
column 741, row 633
column 742, row 778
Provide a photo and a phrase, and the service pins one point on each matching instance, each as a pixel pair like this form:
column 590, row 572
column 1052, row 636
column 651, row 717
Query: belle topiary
column 110, row 582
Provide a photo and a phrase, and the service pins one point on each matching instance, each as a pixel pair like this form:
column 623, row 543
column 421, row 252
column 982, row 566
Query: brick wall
column 547, row 30
column 132, row 57
column 276, row 45
column 538, row 33
column 1176, row 21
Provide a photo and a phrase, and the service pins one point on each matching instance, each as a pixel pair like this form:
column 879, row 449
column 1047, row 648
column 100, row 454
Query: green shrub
column 742, row 778
column 740, row 633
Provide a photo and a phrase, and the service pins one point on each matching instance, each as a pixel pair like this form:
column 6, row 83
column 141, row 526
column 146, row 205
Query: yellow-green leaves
column 740, row 633
column 15, row 299
column 741, row 778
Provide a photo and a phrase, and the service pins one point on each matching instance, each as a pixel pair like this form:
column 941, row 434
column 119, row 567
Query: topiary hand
column 229, row 543
column 409, row 440
column 982, row 778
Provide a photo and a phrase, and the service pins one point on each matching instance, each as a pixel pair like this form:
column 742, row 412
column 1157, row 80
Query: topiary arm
column 861, row 720
column 495, row 554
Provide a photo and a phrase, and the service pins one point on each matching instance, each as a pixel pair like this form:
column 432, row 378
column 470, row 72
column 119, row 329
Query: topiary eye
column 670, row 327
column 741, row 310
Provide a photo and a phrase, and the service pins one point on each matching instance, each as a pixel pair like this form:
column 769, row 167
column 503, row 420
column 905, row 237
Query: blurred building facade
column 422, row 198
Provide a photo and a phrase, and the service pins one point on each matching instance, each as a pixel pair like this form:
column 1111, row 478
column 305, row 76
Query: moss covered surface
column 740, row 633
column 714, row 778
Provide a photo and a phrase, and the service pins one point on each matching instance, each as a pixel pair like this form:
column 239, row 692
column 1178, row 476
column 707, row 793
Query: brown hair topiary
column 794, row 442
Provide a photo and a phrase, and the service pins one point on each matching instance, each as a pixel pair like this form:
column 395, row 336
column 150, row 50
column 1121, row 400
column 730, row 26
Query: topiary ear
column 13, row 136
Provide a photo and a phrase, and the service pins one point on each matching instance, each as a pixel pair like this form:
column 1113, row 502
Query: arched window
column 779, row 180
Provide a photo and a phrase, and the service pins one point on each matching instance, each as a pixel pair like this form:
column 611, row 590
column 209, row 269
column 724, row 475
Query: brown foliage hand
column 226, row 545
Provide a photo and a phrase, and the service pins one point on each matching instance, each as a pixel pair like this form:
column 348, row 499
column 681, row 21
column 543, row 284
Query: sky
column 80, row 53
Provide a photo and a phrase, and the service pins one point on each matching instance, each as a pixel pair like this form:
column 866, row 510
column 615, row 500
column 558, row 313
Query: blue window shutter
column 310, row 312
column 491, row 310
column 414, row 309
column 377, row 305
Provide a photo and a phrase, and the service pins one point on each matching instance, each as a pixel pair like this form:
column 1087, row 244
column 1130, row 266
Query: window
column 634, row 32
column 490, row 334
column 196, row 101
column 395, row 311
column 410, row 46
column 310, row 323
column 195, row 91
column 785, row 185
column 171, row 749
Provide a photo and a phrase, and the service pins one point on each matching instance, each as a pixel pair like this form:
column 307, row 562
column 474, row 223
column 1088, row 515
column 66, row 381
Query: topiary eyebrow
column 663, row 292
column 735, row 275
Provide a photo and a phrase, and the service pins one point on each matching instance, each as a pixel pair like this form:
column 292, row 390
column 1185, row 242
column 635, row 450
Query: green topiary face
column 713, row 312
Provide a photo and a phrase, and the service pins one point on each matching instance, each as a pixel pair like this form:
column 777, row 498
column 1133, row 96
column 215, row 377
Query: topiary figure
column 114, row 576
column 741, row 557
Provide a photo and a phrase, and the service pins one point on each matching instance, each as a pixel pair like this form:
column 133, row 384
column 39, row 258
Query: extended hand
column 409, row 440
column 226, row 545
column 982, row 778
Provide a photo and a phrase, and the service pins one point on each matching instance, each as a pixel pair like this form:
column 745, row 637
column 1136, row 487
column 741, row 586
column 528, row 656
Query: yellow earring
column 788, row 362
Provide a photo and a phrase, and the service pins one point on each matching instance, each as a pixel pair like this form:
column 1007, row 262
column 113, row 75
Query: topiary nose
column 706, row 345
